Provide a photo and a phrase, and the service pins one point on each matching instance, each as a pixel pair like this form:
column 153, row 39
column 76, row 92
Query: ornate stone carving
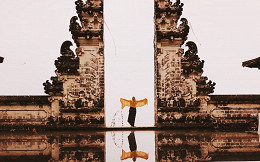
column 191, row 62
column 67, row 63
column 79, row 6
column 205, row 87
column 183, row 29
column 166, row 6
column 74, row 26
column 91, row 7
column 91, row 17
column 166, row 18
column 55, row 88
column 90, row 34
column 65, row 49
column 181, row 32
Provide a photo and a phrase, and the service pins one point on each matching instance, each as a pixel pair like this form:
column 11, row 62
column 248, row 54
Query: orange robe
column 137, row 154
column 135, row 104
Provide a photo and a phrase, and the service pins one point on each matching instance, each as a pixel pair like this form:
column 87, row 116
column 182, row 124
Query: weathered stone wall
column 24, row 110
column 237, row 111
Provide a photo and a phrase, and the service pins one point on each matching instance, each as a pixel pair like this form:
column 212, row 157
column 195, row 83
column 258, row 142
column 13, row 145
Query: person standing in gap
column 133, row 104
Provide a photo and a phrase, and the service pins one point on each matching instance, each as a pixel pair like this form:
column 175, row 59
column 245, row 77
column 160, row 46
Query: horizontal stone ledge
column 242, row 99
column 68, row 110
column 25, row 100
column 178, row 109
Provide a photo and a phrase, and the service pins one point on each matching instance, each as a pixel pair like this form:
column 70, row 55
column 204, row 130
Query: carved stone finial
column 67, row 63
column 178, row 7
column 65, row 49
column 192, row 49
column 90, row 14
column 166, row 6
column 181, row 32
column 79, row 5
column 55, row 88
column 183, row 29
column 205, row 87
column 74, row 25
column 191, row 62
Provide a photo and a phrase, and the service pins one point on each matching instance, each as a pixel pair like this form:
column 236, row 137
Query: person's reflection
column 133, row 147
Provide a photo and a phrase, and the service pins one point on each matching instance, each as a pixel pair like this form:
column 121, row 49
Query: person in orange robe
column 133, row 147
column 133, row 104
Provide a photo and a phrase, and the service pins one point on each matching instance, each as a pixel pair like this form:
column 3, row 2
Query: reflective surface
column 177, row 145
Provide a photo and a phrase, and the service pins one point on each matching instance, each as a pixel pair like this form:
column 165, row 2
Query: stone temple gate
column 178, row 81
column 78, row 89
column 76, row 93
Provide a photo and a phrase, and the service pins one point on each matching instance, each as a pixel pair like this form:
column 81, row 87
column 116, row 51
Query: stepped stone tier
column 182, row 94
column 77, row 92
column 179, row 83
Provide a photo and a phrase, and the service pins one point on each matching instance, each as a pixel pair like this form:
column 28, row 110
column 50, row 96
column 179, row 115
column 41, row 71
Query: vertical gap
column 129, row 59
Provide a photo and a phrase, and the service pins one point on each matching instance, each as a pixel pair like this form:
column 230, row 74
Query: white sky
column 32, row 31
column 129, row 65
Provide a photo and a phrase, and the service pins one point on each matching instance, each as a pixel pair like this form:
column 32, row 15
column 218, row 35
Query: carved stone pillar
column 55, row 107
column 204, row 104
column 204, row 151
column 55, row 151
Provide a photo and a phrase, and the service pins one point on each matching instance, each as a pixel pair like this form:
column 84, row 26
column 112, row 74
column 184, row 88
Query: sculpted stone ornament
column 204, row 87
column 166, row 6
column 183, row 29
column 74, row 26
column 92, row 7
column 178, row 6
column 181, row 32
column 79, row 5
column 55, row 88
column 192, row 51
column 166, row 18
column 90, row 14
column 67, row 63
column 65, row 49
column 191, row 62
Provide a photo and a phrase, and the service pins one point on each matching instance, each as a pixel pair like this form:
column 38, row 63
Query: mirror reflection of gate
column 129, row 60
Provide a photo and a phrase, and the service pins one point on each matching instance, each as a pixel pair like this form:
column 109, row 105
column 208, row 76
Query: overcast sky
column 226, row 32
